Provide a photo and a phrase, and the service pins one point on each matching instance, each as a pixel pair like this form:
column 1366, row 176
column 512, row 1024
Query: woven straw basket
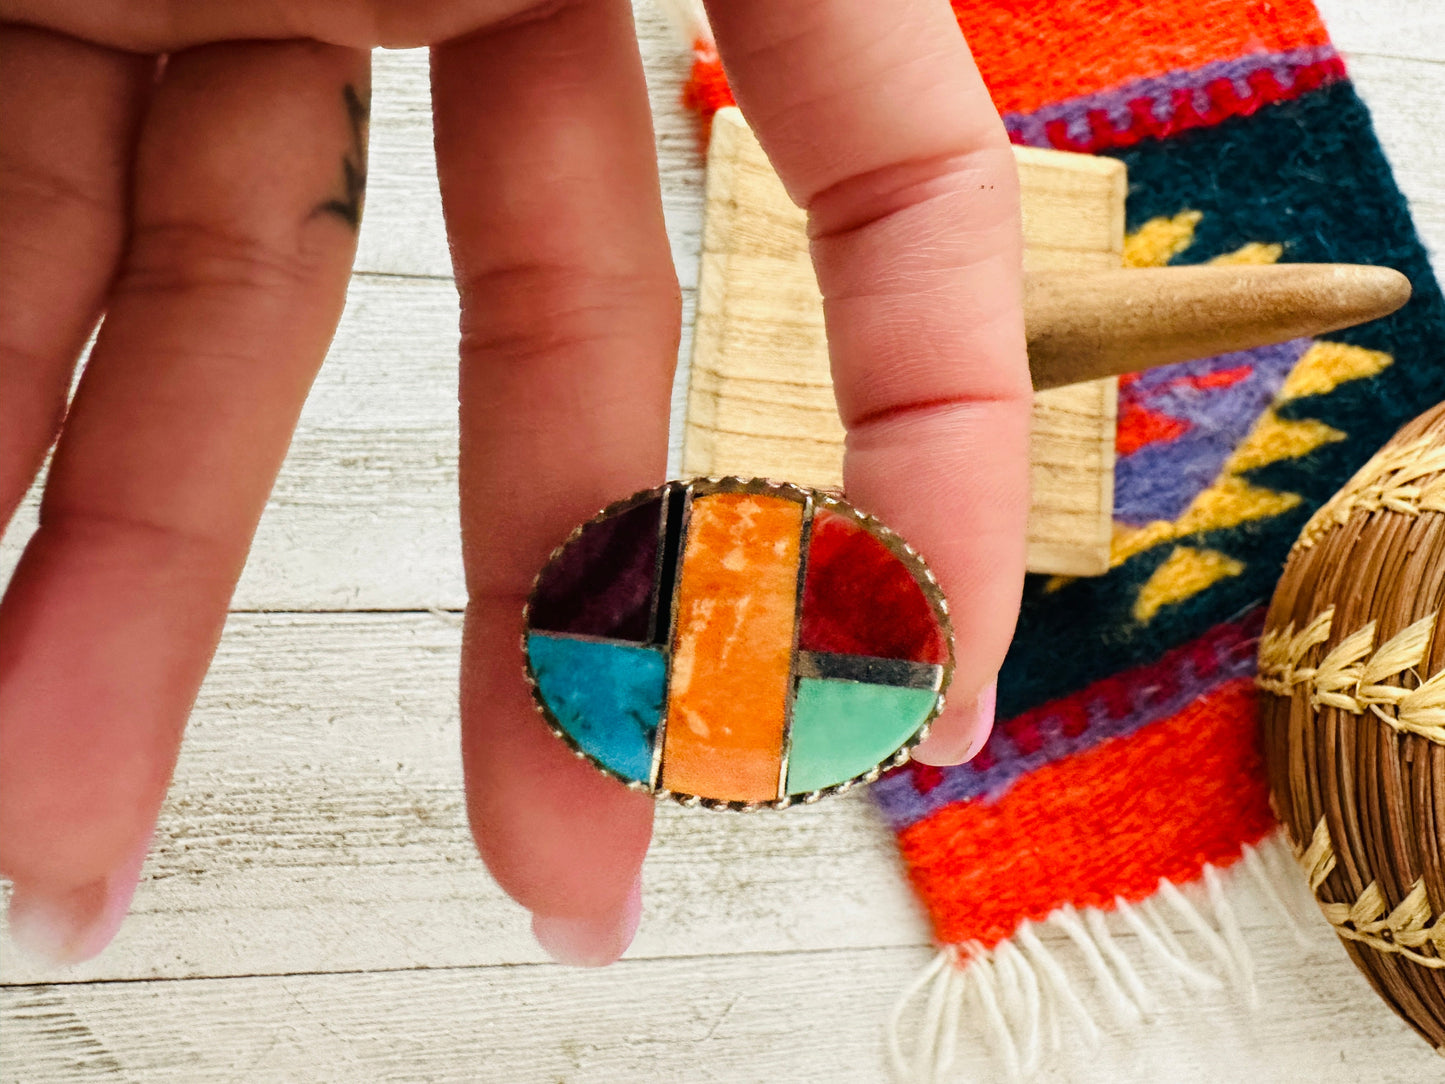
column 1353, row 667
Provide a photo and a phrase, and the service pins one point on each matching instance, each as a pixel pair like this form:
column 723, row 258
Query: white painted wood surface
column 313, row 910
column 763, row 1016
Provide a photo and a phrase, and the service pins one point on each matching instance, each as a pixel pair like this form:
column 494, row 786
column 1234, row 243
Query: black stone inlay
column 667, row 570
column 867, row 668
column 601, row 584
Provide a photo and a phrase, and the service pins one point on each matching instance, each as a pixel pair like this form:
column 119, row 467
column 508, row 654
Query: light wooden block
column 760, row 398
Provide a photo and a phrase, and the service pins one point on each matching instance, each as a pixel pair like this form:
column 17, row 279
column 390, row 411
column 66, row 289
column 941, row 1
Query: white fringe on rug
column 1019, row 990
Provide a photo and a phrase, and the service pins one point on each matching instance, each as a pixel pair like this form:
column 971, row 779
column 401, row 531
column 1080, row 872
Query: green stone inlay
column 845, row 728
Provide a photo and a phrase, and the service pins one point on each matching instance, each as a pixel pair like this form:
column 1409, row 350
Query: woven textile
column 1127, row 749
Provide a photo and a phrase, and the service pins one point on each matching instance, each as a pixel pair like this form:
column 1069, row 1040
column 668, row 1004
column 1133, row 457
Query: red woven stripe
column 1225, row 101
column 1033, row 52
column 707, row 91
column 1078, row 47
column 1180, row 793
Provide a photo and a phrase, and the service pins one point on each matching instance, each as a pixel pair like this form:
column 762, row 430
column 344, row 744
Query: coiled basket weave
column 1352, row 664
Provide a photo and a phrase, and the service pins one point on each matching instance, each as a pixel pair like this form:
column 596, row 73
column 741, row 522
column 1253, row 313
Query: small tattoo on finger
column 347, row 206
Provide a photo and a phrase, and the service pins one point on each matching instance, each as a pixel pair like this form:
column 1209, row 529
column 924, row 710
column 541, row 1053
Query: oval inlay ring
column 738, row 643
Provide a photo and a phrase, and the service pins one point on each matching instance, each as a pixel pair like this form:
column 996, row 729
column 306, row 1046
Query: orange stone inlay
column 732, row 650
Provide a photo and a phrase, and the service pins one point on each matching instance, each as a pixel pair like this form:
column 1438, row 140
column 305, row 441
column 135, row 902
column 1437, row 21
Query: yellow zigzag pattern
column 1231, row 500
column 1160, row 239
column 1185, row 572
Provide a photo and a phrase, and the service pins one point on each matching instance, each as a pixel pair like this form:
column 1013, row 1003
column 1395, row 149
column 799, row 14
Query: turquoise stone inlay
column 845, row 728
column 607, row 696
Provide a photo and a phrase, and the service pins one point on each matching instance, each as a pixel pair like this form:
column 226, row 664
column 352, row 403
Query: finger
column 879, row 125
column 166, row 26
column 230, row 288
column 68, row 113
column 570, row 313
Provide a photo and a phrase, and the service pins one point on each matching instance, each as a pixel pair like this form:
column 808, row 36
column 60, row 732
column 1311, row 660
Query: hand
column 207, row 204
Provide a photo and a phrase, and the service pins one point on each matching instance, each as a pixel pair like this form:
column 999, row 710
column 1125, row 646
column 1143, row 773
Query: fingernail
column 72, row 925
column 590, row 942
column 965, row 740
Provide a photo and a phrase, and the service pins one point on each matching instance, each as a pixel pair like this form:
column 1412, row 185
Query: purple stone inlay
column 1160, row 481
column 1161, row 92
column 1154, row 692
column 602, row 583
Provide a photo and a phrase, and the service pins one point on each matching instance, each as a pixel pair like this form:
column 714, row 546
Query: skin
column 207, row 207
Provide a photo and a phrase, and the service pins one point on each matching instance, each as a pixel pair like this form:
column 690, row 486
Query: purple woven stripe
column 1160, row 91
column 1160, row 481
column 1113, row 708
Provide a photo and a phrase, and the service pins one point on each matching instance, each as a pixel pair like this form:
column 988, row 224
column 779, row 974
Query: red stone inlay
column 860, row 599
